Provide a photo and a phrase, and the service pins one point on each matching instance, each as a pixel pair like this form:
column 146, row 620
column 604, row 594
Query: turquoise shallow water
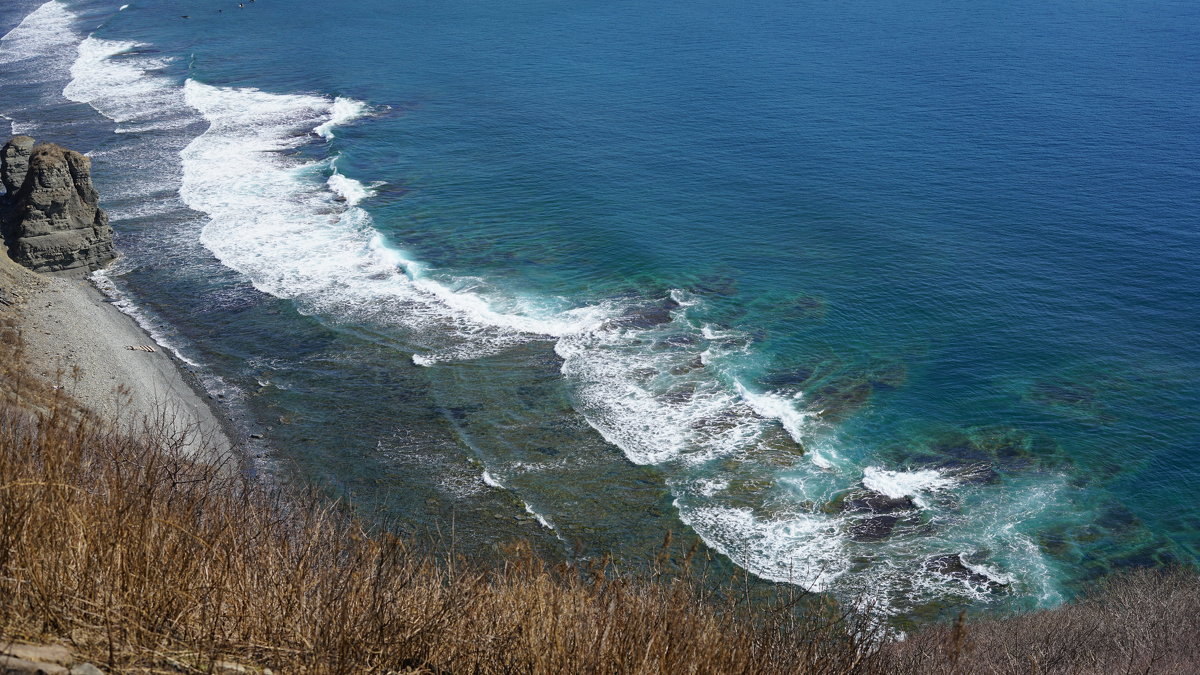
column 895, row 301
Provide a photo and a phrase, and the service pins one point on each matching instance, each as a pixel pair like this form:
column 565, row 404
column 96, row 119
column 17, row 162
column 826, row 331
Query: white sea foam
column 37, row 53
column 277, row 220
column 126, row 87
column 131, row 88
column 988, row 571
column 806, row 550
column 123, row 8
column 710, row 487
column 470, row 304
column 897, row 484
column 143, row 209
column 624, row 392
column 342, row 111
column 793, row 418
column 268, row 219
column 711, row 332
column 46, row 34
column 539, row 517
column 352, row 191
column 458, row 485
column 491, row 480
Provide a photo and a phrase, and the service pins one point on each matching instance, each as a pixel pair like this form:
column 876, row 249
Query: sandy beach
column 74, row 335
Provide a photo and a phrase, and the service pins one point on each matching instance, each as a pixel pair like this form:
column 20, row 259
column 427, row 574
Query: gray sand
column 69, row 328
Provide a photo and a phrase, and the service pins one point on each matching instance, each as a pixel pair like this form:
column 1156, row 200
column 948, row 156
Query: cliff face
column 49, row 217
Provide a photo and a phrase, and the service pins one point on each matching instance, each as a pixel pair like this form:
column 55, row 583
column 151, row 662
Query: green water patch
column 340, row 410
column 834, row 388
column 1101, row 393
column 980, row 453
column 1113, row 539
column 1074, row 399
column 517, row 421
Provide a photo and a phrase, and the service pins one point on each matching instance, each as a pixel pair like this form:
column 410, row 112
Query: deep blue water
column 589, row 272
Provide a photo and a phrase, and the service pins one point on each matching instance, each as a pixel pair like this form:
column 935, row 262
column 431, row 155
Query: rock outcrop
column 17, row 658
column 49, row 216
column 16, row 162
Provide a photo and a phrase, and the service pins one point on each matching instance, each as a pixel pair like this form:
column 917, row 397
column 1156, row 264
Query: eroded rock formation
column 49, row 216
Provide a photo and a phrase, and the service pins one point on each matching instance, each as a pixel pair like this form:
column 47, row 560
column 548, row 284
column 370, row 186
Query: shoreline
column 73, row 333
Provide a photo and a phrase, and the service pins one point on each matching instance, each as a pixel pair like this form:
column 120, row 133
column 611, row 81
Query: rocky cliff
column 49, row 216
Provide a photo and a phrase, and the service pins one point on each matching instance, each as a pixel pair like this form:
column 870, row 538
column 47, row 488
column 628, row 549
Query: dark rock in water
column 1056, row 542
column 719, row 422
column 647, row 316
column 951, row 565
column 889, row 375
column 1118, row 518
column 875, row 502
column 1012, row 449
column 954, row 449
column 776, row 440
column 808, row 307
column 685, row 368
column 791, row 379
column 1075, row 399
column 714, row 284
column 982, row 454
column 1003, row 443
column 1066, row 393
column 50, row 217
column 869, row 501
column 644, row 374
column 838, row 399
column 1150, row 555
column 680, row 394
column 875, row 528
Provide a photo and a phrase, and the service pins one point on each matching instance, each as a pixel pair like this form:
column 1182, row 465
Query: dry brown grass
column 147, row 561
column 1143, row 621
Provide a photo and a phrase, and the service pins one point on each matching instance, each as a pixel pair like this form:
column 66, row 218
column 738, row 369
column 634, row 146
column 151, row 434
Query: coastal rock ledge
column 49, row 216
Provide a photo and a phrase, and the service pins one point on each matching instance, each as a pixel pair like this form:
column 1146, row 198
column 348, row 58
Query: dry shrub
column 1141, row 621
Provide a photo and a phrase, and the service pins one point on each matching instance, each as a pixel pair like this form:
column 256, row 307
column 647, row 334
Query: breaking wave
column 126, row 86
column 33, row 55
column 39, row 48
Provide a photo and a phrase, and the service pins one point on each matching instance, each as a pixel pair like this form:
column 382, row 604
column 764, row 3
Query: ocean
column 895, row 301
